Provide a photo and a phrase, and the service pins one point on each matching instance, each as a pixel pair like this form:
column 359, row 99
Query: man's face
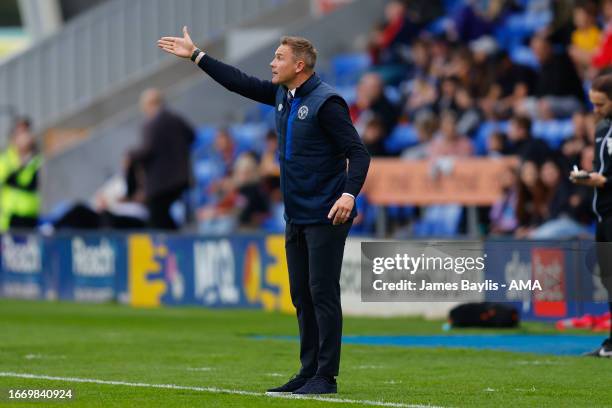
column 284, row 66
column 602, row 105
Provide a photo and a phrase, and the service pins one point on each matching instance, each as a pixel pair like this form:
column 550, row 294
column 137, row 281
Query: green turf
column 164, row 346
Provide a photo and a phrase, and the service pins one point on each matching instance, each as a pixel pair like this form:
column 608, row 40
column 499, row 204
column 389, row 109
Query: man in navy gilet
column 316, row 141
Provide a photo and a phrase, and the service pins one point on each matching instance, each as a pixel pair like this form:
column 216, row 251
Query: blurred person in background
column 531, row 205
column 586, row 36
column 446, row 96
column 502, row 216
column 581, row 200
column 426, row 125
column 224, row 150
column 558, row 90
column 372, row 101
column 252, row 202
column 449, row 142
column 20, row 165
column 373, row 137
column 558, row 221
column 469, row 115
column 421, row 96
column 602, row 57
column 165, row 156
column 118, row 204
column 478, row 18
column 523, row 144
column 584, row 129
column 511, row 84
column 388, row 45
column 497, row 144
column 241, row 200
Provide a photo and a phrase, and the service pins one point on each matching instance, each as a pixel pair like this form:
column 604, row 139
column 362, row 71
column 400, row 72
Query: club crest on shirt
column 302, row 112
column 280, row 107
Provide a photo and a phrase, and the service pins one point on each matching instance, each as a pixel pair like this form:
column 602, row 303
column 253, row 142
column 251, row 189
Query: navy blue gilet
column 312, row 166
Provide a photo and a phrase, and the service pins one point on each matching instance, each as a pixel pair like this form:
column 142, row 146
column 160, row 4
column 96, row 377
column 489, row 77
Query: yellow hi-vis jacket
column 19, row 194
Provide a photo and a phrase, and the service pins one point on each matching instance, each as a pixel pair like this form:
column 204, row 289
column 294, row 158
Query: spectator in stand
column 420, row 57
column 557, row 220
column 603, row 56
column 497, row 145
column 225, row 149
column 511, row 85
column 446, row 99
column 389, row 43
column 523, row 144
column 477, row 19
column 421, row 97
column 558, row 87
column 449, row 142
column 440, row 51
column 470, row 116
column 584, row 130
column 586, row 37
column 241, row 201
column 426, row 125
column 251, row 201
column 373, row 137
column 371, row 101
column 531, row 205
column 502, row 216
column 269, row 159
column 581, row 200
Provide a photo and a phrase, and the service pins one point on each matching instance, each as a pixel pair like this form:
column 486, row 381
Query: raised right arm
column 228, row 76
column 237, row 81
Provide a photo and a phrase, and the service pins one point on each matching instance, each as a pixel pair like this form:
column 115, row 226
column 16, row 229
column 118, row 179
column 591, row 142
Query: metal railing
column 104, row 49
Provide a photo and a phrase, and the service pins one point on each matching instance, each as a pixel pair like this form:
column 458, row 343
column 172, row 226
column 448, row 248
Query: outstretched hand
column 181, row 47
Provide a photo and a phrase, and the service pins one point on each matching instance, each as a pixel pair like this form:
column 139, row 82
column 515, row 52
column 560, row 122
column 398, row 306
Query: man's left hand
column 341, row 211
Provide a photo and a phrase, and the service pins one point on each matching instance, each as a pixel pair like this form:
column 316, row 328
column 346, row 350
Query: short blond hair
column 302, row 49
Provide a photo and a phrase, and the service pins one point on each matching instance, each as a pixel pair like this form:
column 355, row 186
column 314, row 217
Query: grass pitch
column 218, row 361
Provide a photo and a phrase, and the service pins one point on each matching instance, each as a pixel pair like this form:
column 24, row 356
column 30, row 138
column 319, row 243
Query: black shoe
column 319, row 385
column 605, row 350
column 296, row 382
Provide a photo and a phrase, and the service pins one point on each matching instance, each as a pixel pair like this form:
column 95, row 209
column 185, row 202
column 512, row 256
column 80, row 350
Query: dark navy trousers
column 314, row 258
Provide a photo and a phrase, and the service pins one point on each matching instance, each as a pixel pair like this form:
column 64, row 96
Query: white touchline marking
column 199, row 369
column 42, row 356
column 275, row 375
column 214, row 390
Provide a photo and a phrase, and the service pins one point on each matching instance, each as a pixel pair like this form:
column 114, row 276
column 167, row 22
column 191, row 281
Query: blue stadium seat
column 205, row 135
column 439, row 221
column 554, row 132
column 393, row 94
column 349, row 93
column 401, row 137
column 518, row 27
column 249, row 136
column 347, row 68
column 523, row 55
column 484, row 131
column 275, row 223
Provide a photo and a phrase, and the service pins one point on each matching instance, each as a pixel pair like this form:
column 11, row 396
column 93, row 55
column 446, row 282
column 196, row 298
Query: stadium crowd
column 458, row 79
column 437, row 79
